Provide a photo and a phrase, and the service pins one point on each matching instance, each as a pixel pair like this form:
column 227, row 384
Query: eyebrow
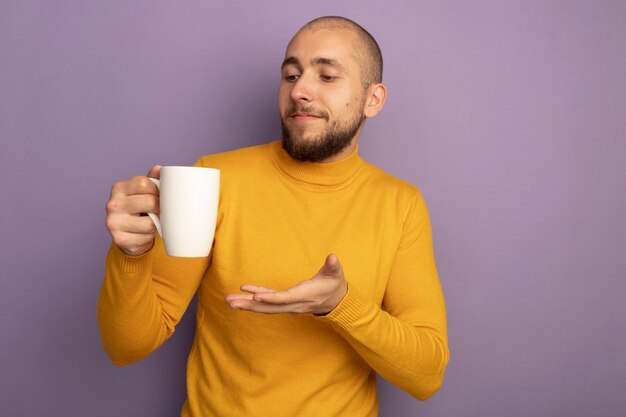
column 292, row 60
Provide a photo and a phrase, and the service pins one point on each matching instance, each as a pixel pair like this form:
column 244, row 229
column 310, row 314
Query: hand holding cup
column 181, row 203
column 133, row 232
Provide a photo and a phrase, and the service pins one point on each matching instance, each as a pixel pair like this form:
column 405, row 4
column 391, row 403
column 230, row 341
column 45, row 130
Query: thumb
column 331, row 265
column 155, row 172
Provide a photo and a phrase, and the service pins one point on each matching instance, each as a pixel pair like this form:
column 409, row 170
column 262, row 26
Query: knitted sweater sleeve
column 143, row 298
column 406, row 340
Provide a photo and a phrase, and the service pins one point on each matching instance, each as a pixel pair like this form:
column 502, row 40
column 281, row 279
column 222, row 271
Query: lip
column 304, row 117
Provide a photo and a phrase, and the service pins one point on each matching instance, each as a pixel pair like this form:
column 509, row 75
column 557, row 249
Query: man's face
column 320, row 97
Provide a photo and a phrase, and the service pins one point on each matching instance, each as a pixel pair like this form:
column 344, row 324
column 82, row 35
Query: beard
column 330, row 142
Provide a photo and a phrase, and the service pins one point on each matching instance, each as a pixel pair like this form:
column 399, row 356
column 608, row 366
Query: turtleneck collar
column 316, row 173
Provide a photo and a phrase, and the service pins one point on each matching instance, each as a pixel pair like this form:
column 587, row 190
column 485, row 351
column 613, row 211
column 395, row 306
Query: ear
column 375, row 97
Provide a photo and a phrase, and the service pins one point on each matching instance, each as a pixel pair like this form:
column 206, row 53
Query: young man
column 286, row 207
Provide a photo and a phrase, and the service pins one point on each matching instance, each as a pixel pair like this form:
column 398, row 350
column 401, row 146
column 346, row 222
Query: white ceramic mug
column 188, row 199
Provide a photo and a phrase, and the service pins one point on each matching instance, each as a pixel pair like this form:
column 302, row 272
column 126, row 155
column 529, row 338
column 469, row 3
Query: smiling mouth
column 306, row 117
column 303, row 117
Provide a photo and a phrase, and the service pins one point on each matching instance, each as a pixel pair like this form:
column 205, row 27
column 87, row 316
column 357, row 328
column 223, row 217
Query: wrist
column 342, row 295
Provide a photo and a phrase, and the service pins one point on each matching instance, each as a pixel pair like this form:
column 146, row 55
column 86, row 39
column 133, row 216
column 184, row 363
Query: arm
column 144, row 293
column 142, row 298
column 407, row 342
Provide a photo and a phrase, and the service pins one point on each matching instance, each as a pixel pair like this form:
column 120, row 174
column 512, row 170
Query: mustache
column 300, row 108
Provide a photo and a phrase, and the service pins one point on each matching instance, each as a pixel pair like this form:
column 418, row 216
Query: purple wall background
column 510, row 116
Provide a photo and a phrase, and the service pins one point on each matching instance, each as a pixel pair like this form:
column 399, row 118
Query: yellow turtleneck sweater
column 278, row 219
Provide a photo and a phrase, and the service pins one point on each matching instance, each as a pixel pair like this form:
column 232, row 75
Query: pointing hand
column 317, row 295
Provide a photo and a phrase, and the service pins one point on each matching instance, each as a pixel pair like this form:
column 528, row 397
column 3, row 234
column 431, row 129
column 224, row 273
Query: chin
column 302, row 137
column 306, row 138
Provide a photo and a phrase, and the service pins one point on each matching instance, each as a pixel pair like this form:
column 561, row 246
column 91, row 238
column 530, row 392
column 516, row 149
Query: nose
column 302, row 90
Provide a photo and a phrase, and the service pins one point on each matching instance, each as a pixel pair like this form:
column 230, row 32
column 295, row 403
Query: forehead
column 336, row 44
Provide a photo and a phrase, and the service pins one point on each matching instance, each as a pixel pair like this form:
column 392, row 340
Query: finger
column 142, row 203
column 155, row 172
column 130, row 223
column 132, row 240
column 233, row 297
column 331, row 265
column 133, row 204
column 135, row 185
column 277, row 298
column 253, row 306
column 255, row 288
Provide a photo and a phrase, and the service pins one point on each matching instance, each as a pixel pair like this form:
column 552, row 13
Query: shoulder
column 403, row 199
column 396, row 194
column 390, row 185
column 237, row 158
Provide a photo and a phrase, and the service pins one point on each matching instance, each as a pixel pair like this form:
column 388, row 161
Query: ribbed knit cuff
column 349, row 310
column 126, row 263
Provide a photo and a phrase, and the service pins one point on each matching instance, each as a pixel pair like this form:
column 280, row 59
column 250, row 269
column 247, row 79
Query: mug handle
column 155, row 219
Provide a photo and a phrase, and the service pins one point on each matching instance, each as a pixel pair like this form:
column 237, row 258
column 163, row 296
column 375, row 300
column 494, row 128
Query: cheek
column 283, row 97
column 281, row 93
column 352, row 104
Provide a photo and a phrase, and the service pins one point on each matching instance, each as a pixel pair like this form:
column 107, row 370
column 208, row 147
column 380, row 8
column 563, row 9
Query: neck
column 316, row 174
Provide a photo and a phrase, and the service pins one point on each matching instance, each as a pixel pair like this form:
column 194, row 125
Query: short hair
column 367, row 52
